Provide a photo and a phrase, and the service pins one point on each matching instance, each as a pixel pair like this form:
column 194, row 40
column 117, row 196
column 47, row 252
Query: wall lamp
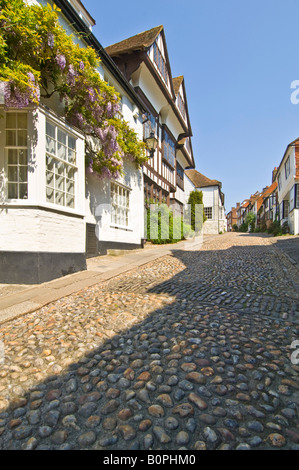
column 152, row 143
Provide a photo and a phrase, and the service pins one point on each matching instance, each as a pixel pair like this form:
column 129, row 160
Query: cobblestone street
column 191, row 351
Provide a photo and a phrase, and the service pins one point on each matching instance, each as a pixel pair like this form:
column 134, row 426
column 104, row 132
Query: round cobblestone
column 190, row 351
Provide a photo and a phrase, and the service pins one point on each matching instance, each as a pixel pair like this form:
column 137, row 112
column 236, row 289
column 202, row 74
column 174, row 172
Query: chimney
column 274, row 173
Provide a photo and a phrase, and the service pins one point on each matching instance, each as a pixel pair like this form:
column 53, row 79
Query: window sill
column 121, row 227
column 25, row 203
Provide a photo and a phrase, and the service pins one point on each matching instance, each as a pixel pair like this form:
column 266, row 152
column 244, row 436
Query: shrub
column 168, row 226
column 285, row 228
column 250, row 221
column 275, row 228
column 235, row 228
column 195, row 197
column 243, row 227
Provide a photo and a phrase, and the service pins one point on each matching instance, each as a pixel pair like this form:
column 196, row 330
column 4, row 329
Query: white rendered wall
column 98, row 208
column 34, row 230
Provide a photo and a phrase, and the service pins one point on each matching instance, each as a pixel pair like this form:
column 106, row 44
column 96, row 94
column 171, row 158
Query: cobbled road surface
column 191, row 352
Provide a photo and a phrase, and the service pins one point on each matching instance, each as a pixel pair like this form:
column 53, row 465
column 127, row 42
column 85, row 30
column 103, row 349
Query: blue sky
column 239, row 59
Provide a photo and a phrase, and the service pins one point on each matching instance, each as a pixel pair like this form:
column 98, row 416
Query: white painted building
column 287, row 178
column 213, row 201
column 50, row 209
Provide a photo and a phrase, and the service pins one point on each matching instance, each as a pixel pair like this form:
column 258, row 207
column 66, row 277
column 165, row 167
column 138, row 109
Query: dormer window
column 160, row 62
column 181, row 106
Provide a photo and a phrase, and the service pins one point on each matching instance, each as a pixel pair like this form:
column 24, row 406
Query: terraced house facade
column 54, row 214
column 287, row 178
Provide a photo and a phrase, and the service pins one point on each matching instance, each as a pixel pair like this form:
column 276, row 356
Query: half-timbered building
column 144, row 61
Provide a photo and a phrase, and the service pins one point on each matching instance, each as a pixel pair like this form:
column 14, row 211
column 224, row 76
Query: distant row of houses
column 277, row 202
column 53, row 213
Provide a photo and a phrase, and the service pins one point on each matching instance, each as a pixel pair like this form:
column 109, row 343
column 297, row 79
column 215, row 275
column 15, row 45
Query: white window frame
column 279, row 181
column 287, row 168
column 18, row 148
column 120, row 205
column 208, row 211
column 68, row 165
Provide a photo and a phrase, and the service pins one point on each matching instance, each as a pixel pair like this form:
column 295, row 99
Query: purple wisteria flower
column 14, row 98
column 98, row 112
column 61, row 61
column 91, row 94
column 79, row 120
column 109, row 110
column 71, row 74
column 51, row 40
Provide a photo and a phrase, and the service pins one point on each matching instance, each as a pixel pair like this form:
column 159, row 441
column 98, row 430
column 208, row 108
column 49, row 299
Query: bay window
column 16, row 148
column 60, row 165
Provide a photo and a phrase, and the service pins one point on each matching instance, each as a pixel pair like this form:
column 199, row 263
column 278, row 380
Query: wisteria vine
column 38, row 60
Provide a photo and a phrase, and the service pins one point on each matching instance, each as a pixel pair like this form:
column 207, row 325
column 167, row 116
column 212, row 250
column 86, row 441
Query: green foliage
column 38, row 60
column 168, row 225
column 285, row 228
column 243, row 227
column 250, row 221
column 275, row 228
column 195, row 198
column 235, row 228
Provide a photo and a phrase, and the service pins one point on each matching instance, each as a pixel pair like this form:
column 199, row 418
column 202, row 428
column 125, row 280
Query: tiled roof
column 139, row 42
column 199, row 180
column 270, row 189
column 177, row 81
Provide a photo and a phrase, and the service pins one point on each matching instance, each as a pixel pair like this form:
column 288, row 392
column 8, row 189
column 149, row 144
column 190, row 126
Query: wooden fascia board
column 78, row 24
column 167, row 95
column 186, row 107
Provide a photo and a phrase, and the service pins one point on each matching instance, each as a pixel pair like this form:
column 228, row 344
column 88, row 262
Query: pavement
column 16, row 300
column 185, row 348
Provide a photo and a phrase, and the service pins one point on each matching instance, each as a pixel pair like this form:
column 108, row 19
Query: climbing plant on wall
column 39, row 60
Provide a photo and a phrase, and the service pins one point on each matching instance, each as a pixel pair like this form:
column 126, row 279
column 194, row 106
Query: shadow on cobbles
column 202, row 371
